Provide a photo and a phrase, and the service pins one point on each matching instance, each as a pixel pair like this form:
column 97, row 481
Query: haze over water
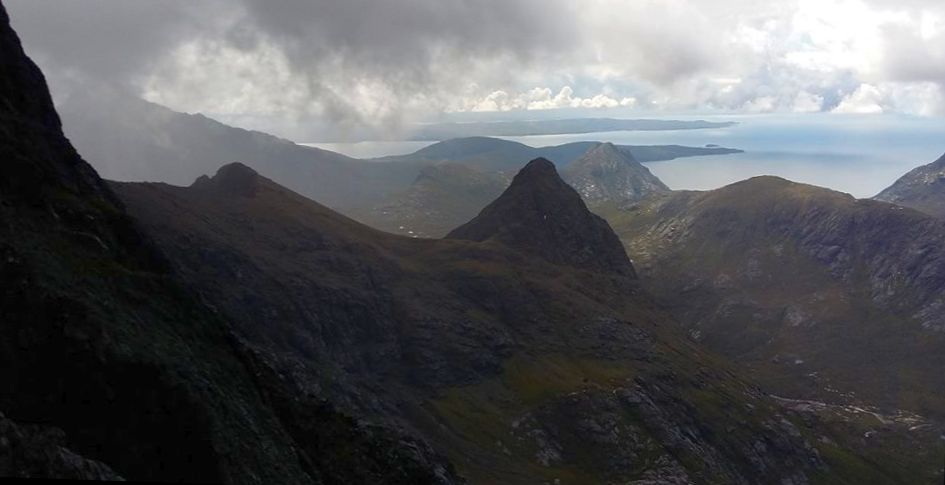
column 857, row 154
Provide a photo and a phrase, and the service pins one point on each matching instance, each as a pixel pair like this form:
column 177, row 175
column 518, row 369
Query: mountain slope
column 923, row 189
column 67, row 248
column 130, row 139
column 821, row 295
column 110, row 367
column 442, row 197
column 606, row 175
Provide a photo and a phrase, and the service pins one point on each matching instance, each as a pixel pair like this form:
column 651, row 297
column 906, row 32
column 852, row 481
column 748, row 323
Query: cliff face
column 110, row 367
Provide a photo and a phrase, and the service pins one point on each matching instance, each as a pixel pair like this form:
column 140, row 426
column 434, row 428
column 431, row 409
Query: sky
column 383, row 64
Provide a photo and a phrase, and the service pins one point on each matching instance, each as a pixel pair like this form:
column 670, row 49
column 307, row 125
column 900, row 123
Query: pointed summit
column 540, row 214
column 606, row 174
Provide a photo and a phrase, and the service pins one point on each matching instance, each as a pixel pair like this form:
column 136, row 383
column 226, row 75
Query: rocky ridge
column 923, row 189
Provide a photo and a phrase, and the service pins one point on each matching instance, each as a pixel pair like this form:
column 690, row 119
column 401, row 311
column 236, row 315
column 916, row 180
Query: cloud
column 867, row 99
column 806, row 102
column 542, row 99
column 380, row 64
column 917, row 98
column 915, row 55
column 110, row 39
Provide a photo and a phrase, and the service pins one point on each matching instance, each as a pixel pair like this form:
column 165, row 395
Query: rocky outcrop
column 234, row 179
column 35, row 451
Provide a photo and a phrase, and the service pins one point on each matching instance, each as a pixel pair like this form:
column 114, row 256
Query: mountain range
column 515, row 345
column 497, row 155
column 448, row 194
column 510, row 345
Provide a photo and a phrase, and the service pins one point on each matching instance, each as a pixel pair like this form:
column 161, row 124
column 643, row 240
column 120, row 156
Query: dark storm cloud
column 408, row 32
column 103, row 38
column 116, row 39
column 411, row 46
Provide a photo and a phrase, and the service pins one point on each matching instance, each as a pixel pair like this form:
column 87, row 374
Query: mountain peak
column 607, row 174
column 540, row 214
column 540, row 165
column 608, row 148
column 233, row 178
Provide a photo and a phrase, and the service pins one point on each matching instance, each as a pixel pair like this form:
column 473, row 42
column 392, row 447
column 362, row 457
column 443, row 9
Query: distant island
column 445, row 131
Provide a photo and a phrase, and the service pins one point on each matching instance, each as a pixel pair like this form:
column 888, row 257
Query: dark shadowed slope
column 821, row 295
column 519, row 369
column 607, row 175
column 110, row 367
column 92, row 325
column 922, row 189
column 540, row 214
